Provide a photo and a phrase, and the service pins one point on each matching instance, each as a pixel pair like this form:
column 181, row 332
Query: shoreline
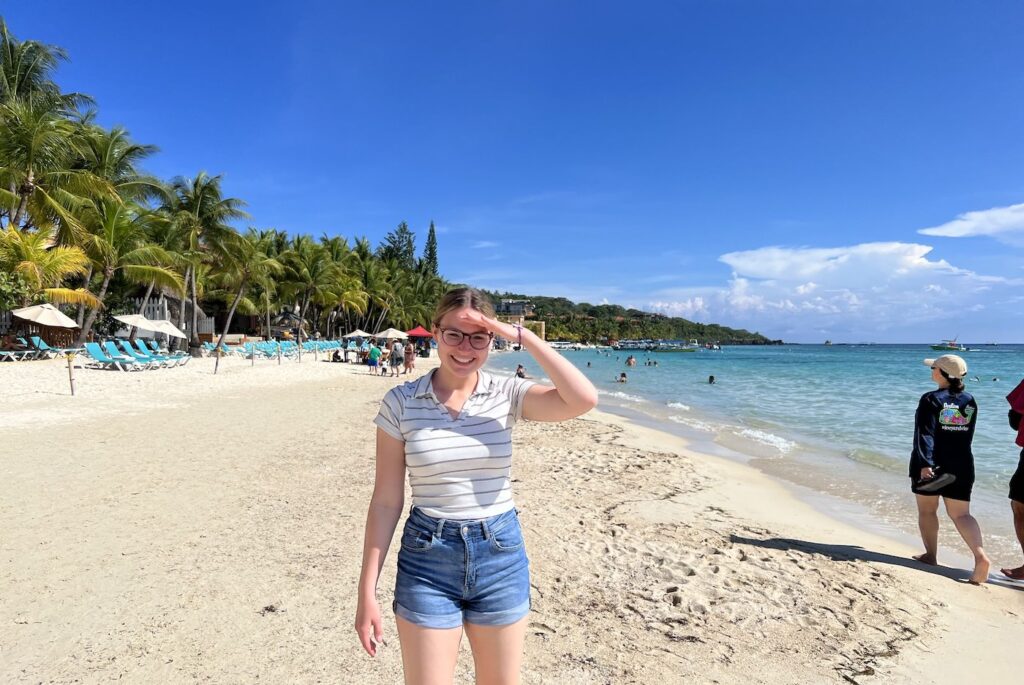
column 869, row 494
column 215, row 533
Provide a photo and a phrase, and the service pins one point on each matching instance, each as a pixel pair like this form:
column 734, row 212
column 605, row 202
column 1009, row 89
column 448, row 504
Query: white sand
column 174, row 526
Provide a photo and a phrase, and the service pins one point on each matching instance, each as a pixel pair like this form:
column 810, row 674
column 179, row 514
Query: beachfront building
column 516, row 313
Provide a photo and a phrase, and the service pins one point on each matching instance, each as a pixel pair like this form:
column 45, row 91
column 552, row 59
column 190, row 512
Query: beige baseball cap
column 952, row 365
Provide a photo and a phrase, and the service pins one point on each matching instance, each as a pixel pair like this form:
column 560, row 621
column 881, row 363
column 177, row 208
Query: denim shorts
column 453, row 571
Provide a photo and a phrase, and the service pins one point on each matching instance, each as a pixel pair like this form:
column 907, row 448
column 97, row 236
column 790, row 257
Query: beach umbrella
column 45, row 315
column 390, row 334
column 136, row 320
column 357, row 333
column 419, row 332
column 166, row 327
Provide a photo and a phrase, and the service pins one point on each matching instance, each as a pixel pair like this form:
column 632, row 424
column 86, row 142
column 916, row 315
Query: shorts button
column 465, row 529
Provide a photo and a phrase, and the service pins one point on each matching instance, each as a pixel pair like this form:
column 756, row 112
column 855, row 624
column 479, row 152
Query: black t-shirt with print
column 943, row 432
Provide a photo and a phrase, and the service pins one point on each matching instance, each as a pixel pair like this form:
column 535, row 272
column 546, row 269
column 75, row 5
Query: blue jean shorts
column 452, row 571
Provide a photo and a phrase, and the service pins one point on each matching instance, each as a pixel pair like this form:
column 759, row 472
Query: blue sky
column 811, row 170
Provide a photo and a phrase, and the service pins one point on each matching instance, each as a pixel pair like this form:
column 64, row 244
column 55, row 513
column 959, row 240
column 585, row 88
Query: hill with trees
column 585, row 322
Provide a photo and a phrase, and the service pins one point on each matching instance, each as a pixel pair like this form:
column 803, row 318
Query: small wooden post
column 279, row 353
column 71, row 372
column 252, row 352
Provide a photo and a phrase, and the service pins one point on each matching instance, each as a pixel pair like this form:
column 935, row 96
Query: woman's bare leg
column 497, row 651
column 428, row 654
column 970, row 531
column 928, row 523
column 1018, row 525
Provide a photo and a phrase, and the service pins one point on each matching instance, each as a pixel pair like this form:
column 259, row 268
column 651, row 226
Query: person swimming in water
column 622, row 378
column 711, row 380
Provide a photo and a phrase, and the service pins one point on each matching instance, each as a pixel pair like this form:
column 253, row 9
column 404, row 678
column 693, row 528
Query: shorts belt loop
column 440, row 527
column 486, row 529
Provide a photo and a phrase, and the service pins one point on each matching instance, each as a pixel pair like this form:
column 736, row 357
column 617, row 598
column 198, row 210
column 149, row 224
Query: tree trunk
column 302, row 317
column 80, row 319
column 24, row 201
column 193, row 341
column 227, row 325
column 266, row 333
column 181, row 303
column 142, row 309
column 107, row 276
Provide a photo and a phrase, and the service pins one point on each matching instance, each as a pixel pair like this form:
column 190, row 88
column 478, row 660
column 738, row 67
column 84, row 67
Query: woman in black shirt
column 943, row 431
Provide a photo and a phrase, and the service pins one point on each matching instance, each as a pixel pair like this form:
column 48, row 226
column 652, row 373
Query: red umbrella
column 419, row 332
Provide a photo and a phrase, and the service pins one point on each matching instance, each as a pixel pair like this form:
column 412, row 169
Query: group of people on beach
column 942, row 464
column 388, row 359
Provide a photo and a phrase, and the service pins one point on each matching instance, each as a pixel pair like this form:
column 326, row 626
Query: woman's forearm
column 575, row 389
column 381, row 520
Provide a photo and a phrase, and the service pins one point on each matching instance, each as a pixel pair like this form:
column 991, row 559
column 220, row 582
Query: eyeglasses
column 454, row 337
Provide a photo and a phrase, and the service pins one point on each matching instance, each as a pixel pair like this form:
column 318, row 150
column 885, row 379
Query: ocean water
column 842, row 412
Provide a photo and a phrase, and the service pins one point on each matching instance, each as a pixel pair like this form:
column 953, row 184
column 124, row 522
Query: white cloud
column 998, row 221
column 483, row 244
column 853, row 289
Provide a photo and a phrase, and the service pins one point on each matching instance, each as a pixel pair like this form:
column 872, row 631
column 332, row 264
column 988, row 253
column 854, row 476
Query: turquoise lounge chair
column 111, row 349
column 103, row 360
column 144, row 358
column 178, row 359
column 43, row 348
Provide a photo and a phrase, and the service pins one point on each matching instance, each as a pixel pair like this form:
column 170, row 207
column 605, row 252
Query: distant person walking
column 397, row 357
column 374, row 357
column 942, row 464
column 1016, row 400
column 410, row 358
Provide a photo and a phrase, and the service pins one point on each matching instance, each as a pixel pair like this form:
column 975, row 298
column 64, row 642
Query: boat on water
column 676, row 346
column 564, row 345
column 949, row 346
column 636, row 345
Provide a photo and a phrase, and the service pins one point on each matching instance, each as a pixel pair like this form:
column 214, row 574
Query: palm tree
column 244, row 263
column 112, row 156
column 39, row 188
column 200, row 208
column 310, row 277
column 26, row 70
column 44, row 267
column 117, row 244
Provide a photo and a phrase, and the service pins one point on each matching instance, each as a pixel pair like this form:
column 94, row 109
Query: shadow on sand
column 854, row 553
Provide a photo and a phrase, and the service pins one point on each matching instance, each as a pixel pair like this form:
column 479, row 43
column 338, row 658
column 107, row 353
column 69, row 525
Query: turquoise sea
column 836, row 418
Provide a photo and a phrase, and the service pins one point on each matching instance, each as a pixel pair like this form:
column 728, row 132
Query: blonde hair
column 458, row 298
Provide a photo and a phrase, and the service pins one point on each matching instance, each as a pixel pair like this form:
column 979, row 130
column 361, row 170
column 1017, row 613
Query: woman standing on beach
column 462, row 563
column 943, row 432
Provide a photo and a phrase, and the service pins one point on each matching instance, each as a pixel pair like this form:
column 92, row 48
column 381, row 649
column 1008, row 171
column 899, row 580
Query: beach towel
column 1016, row 400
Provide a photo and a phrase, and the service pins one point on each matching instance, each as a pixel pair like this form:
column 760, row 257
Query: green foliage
column 428, row 263
column 584, row 322
column 14, row 292
column 399, row 245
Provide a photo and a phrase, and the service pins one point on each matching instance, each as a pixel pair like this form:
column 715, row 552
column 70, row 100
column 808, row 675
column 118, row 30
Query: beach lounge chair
column 114, row 353
column 33, row 352
column 178, row 358
column 103, row 360
column 146, row 358
column 17, row 355
column 43, row 348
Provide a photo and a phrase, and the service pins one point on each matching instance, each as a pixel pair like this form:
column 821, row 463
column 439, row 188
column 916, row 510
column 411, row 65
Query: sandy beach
column 175, row 526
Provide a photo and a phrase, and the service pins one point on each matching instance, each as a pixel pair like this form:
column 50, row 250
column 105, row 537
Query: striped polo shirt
column 458, row 467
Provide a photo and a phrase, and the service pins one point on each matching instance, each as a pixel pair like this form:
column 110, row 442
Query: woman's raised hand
column 368, row 625
column 472, row 317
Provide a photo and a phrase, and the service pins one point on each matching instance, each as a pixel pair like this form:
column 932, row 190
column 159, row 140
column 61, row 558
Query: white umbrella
column 138, row 321
column 166, row 327
column 391, row 334
column 357, row 333
column 45, row 315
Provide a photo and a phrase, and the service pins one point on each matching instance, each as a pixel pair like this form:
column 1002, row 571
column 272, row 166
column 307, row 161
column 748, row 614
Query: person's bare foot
column 980, row 574
column 926, row 559
column 1013, row 573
